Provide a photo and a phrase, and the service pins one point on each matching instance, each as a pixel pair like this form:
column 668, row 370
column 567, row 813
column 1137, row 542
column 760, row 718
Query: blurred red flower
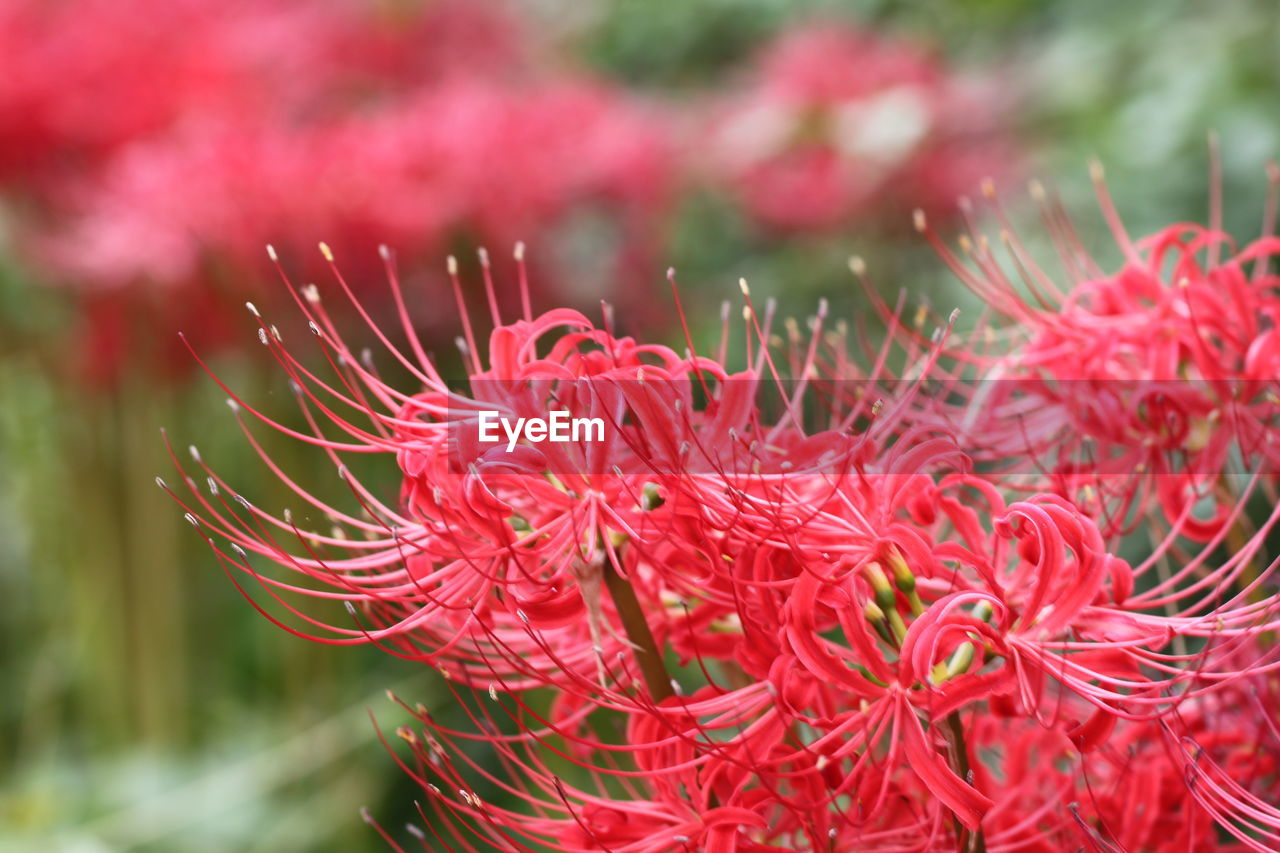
column 154, row 151
column 86, row 77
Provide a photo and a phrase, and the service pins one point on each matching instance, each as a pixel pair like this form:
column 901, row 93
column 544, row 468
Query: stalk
column 953, row 731
column 645, row 649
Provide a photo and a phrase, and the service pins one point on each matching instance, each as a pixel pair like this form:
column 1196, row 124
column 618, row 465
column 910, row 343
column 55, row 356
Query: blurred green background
column 146, row 707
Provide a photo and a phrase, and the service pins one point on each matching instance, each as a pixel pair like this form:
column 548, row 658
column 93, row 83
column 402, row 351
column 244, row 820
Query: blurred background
column 149, row 149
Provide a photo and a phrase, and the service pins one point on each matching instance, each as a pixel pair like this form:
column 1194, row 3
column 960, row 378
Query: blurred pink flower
column 188, row 212
column 491, row 163
column 843, row 124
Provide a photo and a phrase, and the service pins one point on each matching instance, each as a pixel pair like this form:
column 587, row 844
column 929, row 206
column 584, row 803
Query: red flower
column 1164, row 368
column 807, row 633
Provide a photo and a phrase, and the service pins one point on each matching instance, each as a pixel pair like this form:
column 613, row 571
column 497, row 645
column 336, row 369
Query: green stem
column 647, row 654
column 967, row 842
column 645, row 649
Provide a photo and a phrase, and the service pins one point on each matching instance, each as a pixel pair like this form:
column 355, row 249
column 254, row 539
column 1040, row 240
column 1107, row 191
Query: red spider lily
column 807, row 631
column 1164, row 368
column 843, row 122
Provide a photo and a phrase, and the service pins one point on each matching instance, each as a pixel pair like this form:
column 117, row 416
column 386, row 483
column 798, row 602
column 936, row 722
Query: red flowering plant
column 782, row 606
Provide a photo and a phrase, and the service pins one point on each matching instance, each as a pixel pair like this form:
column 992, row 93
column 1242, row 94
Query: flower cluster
column 799, row 604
